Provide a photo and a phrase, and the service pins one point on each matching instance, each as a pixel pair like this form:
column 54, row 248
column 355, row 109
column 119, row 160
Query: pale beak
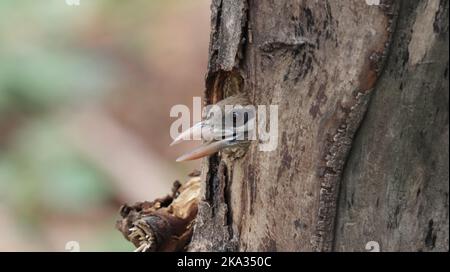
column 212, row 137
column 195, row 132
column 206, row 149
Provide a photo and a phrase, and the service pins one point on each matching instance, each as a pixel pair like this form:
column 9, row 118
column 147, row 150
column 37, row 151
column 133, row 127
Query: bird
column 228, row 127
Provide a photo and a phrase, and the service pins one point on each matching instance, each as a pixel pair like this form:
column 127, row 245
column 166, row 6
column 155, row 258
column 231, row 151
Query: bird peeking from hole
column 228, row 127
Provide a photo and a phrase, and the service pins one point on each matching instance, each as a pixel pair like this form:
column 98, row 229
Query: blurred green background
column 85, row 95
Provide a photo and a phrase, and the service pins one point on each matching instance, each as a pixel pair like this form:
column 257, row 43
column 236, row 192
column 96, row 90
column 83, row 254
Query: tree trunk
column 362, row 90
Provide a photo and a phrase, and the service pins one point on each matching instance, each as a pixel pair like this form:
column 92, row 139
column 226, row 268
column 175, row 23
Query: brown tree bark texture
column 362, row 152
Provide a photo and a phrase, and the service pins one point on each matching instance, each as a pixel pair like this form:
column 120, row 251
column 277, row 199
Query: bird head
column 227, row 125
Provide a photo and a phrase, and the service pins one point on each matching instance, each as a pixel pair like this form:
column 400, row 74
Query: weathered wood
column 320, row 61
column 395, row 185
column 164, row 224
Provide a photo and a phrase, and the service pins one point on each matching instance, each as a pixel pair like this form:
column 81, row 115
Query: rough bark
column 321, row 61
column 395, row 184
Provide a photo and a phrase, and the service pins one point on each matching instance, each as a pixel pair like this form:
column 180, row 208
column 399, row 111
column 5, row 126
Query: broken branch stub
column 164, row 224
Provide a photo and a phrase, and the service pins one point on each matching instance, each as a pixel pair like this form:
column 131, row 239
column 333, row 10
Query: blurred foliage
column 40, row 72
column 46, row 64
column 40, row 80
column 44, row 170
column 55, row 59
column 39, row 65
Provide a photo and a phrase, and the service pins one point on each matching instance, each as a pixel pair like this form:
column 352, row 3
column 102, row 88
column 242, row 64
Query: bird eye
column 245, row 117
column 237, row 115
column 210, row 114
